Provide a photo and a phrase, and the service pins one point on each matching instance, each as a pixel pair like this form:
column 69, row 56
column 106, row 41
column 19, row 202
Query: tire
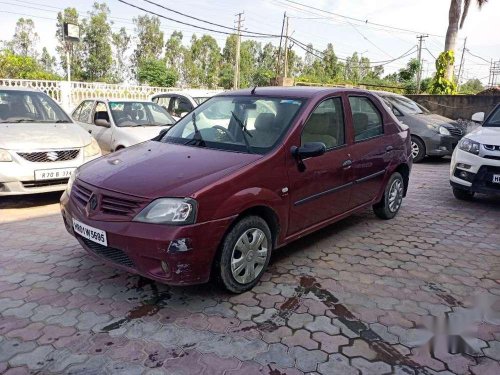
column 417, row 149
column 251, row 256
column 389, row 205
column 462, row 194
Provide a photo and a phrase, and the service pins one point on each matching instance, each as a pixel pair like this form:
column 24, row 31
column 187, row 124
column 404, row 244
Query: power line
column 479, row 57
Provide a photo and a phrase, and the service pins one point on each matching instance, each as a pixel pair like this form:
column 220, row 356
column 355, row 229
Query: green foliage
column 440, row 85
column 472, row 86
column 154, row 72
column 47, row 62
column 76, row 49
column 23, row 67
column 149, row 39
column 25, row 38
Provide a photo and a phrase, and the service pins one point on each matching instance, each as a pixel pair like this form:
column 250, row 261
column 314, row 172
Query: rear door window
column 366, row 118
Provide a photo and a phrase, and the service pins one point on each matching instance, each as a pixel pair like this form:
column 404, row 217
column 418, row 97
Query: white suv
column 475, row 164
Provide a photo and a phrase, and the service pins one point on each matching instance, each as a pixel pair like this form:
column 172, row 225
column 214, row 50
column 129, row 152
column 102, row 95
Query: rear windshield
column 29, row 106
column 404, row 105
column 493, row 119
column 244, row 124
column 127, row 114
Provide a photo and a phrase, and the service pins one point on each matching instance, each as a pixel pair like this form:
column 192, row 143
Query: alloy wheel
column 249, row 255
column 395, row 195
column 415, row 149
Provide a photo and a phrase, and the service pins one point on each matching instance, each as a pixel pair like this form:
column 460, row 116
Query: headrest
column 264, row 121
column 318, row 124
column 360, row 121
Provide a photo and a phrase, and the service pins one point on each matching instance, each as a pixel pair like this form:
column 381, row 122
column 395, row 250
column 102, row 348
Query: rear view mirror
column 478, row 117
column 102, row 122
column 307, row 150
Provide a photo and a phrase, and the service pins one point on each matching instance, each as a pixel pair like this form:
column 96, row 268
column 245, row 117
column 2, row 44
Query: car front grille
column 37, row 184
column 49, row 156
column 484, row 177
column 114, row 255
column 492, row 147
column 455, row 131
column 115, row 205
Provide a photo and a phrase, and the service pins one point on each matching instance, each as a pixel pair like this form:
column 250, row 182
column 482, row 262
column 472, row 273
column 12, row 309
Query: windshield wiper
column 244, row 132
column 19, row 120
column 197, row 138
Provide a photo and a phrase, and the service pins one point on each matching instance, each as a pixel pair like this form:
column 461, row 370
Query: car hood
column 433, row 119
column 29, row 136
column 486, row 135
column 141, row 133
column 155, row 169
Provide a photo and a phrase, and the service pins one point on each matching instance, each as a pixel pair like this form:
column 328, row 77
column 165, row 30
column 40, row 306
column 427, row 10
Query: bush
column 154, row 72
column 22, row 67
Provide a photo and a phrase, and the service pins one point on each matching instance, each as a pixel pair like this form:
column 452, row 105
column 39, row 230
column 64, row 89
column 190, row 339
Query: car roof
column 290, row 92
column 196, row 93
column 19, row 88
column 117, row 100
column 385, row 93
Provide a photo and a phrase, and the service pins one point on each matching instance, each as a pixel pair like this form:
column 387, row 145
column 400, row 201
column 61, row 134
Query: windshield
column 29, row 106
column 139, row 114
column 405, row 105
column 200, row 99
column 493, row 119
column 244, row 124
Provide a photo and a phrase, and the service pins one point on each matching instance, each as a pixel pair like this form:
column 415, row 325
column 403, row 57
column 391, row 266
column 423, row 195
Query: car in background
column 431, row 134
column 475, row 164
column 117, row 124
column 246, row 172
column 40, row 146
column 179, row 103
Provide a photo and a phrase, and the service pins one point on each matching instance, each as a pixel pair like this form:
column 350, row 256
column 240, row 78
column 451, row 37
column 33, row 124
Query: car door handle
column 347, row 163
column 389, row 149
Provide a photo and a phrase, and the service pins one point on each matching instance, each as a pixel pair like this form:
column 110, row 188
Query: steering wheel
column 223, row 130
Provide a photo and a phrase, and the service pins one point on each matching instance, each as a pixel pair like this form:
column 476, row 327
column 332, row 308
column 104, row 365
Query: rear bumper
column 145, row 249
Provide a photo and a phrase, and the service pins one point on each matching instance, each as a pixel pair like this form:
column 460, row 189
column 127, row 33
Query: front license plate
column 496, row 178
column 90, row 233
column 53, row 174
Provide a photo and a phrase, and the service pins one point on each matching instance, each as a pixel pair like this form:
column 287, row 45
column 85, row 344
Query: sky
column 306, row 25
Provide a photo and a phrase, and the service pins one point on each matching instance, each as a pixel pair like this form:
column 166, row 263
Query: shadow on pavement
column 31, row 200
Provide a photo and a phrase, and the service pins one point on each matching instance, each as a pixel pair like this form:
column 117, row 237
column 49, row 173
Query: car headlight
column 5, row 155
column 176, row 211
column 91, row 149
column 443, row 131
column 469, row 145
column 72, row 179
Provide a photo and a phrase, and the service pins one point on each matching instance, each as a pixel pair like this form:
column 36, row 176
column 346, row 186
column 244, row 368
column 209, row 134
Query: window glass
column 76, row 113
column 326, row 124
column 163, row 101
column 494, row 119
column 85, row 112
column 139, row 114
column 366, row 118
column 101, row 112
column 180, row 106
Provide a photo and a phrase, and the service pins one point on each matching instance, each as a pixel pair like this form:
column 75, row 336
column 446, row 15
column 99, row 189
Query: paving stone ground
column 357, row 297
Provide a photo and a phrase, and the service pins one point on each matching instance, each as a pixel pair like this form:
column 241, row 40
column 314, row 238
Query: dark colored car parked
column 431, row 134
column 245, row 173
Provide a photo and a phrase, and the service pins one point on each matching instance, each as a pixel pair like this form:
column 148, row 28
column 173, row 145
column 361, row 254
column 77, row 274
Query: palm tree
column 456, row 18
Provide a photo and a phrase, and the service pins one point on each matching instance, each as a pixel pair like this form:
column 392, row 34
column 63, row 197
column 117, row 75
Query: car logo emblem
column 91, row 205
column 52, row 155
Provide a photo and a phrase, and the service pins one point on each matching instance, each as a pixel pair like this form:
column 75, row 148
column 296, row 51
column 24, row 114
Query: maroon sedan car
column 246, row 172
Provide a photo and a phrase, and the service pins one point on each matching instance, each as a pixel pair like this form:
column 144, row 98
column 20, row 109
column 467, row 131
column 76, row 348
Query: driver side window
column 326, row 124
column 101, row 112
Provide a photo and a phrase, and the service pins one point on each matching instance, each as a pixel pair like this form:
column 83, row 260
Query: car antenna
column 253, row 90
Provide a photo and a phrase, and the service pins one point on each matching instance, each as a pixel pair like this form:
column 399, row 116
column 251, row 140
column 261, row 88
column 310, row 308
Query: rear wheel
column 417, row 149
column 245, row 254
column 462, row 194
column 389, row 205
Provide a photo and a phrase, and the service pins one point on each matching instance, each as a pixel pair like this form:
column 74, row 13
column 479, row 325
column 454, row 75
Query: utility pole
column 461, row 64
column 239, row 22
column 419, row 72
column 286, row 48
column 278, row 64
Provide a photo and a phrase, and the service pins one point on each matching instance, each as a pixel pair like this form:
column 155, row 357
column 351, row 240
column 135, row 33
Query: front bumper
column 479, row 173
column 17, row 177
column 143, row 248
column 441, row 145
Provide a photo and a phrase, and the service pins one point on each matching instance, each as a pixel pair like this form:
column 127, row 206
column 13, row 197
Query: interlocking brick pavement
column 350, row 299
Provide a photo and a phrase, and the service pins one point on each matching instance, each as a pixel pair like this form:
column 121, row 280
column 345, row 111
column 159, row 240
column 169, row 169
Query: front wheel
column 389, row 205
column 463, row 195
column 245, row 254
column 417, row 149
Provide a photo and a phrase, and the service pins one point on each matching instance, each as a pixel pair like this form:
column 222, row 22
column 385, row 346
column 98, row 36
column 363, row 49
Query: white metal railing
column 70, row 94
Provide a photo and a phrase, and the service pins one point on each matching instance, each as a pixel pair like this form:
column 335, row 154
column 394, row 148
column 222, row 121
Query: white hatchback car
column 39, row 144
column 116, row 124
column 475, row 164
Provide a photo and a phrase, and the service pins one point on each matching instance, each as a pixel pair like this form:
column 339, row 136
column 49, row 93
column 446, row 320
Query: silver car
column 40, row 146
column 120, row 123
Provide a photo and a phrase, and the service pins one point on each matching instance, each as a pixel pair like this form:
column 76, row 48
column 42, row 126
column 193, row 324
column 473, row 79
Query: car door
column 321, row 190
column 371, row 148
column 102, row 134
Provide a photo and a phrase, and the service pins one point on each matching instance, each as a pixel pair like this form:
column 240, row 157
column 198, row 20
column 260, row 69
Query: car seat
column 317, row 129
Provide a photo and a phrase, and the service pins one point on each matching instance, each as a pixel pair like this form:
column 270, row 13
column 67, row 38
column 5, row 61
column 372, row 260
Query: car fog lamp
column 165, row 268
column 463, row 166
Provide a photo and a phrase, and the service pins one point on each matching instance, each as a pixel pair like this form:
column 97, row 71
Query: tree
column 440, row 84
column 47, row 62
column 120, row 41
column 456, row 19
column 22, row 67
column 154, row 72
column 25, row 38
column 70, row 15
column 204, row 59
column 266, row 65
column 97, row 45
column 472, row 86
column 149, row 39
column 174, row 53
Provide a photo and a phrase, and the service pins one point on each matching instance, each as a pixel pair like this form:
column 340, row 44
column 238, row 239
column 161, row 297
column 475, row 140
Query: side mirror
column 478, row 117
column 102, row 122
column 308, row 150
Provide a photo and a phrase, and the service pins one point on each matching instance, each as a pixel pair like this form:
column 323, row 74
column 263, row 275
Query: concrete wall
column 456, row 106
